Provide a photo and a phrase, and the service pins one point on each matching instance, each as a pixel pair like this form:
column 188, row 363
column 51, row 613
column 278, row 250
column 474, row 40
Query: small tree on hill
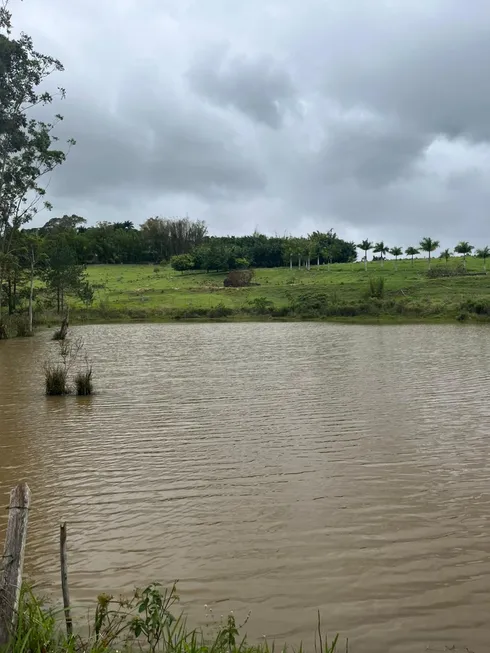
column 446, row 255
column 182, row 262
column 381, row 249
column 428, row 245
column 411, row 251
column 484, row 253
column 365, row 245
column 396, row 252
column 464, row 248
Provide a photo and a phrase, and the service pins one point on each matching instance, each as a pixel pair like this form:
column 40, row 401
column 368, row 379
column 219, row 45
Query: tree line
column 427, row 245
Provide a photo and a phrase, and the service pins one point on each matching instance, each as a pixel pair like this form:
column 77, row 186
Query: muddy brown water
column 278, row 468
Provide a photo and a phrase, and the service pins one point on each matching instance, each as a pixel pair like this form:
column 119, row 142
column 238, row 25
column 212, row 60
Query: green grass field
column 156, row 292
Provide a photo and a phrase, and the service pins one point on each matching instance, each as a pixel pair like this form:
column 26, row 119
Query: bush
column 83, row 382
column 23, row 327
column 55, row 378
column 377, row 287
column 444, row 271
column 182, row 262
column 220, row 310
column 261, row 306
column 238, row 278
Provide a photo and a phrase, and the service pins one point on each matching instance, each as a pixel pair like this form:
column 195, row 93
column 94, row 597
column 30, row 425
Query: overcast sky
column 368, row 116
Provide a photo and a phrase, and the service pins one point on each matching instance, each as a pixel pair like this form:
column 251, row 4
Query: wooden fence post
column 64, row 580
column 13, row 559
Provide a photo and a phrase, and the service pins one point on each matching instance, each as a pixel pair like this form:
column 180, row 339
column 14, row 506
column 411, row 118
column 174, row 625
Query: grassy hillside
column 341, row 291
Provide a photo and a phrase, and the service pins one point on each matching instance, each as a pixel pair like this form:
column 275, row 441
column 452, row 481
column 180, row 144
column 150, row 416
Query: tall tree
column 396, row 252
column 381, row 249
column 429, row 245
column 411, row 251
column 484, row 253
column 365, row 245
column 27, row 152
column 464, row 248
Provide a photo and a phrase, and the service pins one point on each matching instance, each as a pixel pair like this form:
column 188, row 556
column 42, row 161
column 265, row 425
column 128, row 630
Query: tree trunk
column 412, row 260
column 365, row 260
column 429, row 260
column 464, row 262
column 396, row 264
column 9, row 295
column 58, row 299
column 308, row 263
column 299, row 260
column 290, row 261
column 318, row 260
column 31, row 294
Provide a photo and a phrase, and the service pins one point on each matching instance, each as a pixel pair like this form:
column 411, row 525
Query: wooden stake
column 12, row 562
column 64, row 580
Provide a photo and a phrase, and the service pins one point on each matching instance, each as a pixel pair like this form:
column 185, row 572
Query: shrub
column 238, row 278
column 440, row 271
column 182, row 262
column 261, row 306
column 22, row 327
column 83, row 382
column 377, row 287
column 220, row 310
column 55, row 378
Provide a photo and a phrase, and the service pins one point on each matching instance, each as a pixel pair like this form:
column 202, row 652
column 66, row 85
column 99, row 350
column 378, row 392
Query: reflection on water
column 278, row 467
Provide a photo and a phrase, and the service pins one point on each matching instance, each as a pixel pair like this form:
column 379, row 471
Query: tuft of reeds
column 83, row 382
column 377, row 287
column 55, row 380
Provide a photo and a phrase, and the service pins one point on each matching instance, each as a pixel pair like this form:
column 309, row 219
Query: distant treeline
column 159, row 239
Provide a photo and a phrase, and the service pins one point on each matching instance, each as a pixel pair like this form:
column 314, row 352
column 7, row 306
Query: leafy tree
column 411, row 251
column 365, row 245
column 446, row 255
column 381, row 249
column 27, row 152
column 464, row 248
column 396, row 252
column 428, row 245
column 484, row 253
column 182, row 262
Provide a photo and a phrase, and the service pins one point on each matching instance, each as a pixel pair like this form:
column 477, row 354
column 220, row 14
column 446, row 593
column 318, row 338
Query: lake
column 278, row 468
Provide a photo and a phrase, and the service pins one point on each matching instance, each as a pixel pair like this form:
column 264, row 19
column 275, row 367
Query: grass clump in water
column 55, row 379
column 83, row 382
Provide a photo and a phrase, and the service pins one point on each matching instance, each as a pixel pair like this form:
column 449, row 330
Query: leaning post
column 12, row 560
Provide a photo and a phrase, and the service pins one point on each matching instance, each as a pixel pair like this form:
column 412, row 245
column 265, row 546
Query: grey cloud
column 256, row 86
column 318, row 114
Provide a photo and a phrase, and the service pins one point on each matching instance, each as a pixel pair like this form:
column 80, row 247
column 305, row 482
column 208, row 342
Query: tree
column 464, row 248
column 428, row 245
column 182, row 262
column 411, row 251
column 365, row 245
column 381, row 249
column 446, row 255
column 396, row 252
column 484, row 253
column 27, row 152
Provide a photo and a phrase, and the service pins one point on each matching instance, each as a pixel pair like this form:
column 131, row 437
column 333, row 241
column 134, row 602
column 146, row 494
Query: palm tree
column 411, row 251
column 366, row 245
column 428, row 245
column 446, row 254
column 464, row 248
column 484, row 253
column 396, row 252
column 381, row 249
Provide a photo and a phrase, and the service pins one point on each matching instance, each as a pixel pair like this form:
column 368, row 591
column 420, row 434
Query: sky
column 371, row 117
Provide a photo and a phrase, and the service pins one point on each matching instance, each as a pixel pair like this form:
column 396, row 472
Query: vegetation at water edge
column 146, row 621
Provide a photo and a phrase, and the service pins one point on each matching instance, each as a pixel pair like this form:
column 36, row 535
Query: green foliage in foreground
column 144, row 622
